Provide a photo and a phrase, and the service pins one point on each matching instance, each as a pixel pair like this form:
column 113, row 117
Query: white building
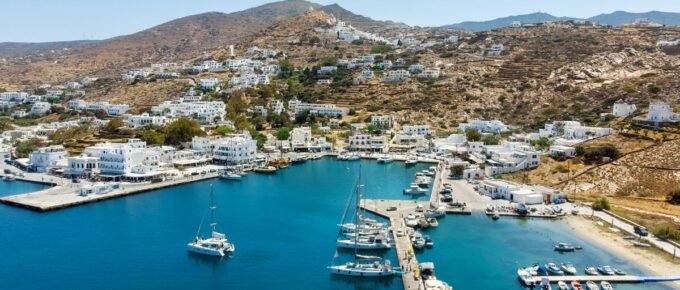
column 493, row 126
column 126, row 159
column 509, row 157
column 429, row 74
column 236, row 149
column 204, row 145
column 416, row 68
column 562, row 151
column 396, row 75
column 299, row 107
column 452, row 39
column 661, row 112
column 383, row 121
column 300, row 137
column 48, row 157
column 19, row 114
column 365, row 76
column 573, row 130
column 81, row 166
column 204, row 112
column 324, row 81
column 496, row 50
column 276, row 106
column 136, row 121
column 40, row 108
column 325, row 70
column 74, row 85
column 77, row 105
column 422, row 130
column 514, row 192
column 17, row 97
column 623, row 109
column 110, row 109
column 369, row 143
column 405, row 142
column 210, row 83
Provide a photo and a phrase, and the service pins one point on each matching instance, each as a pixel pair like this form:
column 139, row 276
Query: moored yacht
column 230, row 176
column 265, row 169
column 564, row 247
column 385, row 159
column 592, row 286
column 415, row 189
column 411, row 161
column 375, row 269
column 217, row 244
column 568, row 268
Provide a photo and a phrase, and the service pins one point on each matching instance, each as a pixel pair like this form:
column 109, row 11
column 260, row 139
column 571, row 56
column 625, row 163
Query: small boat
column 428, row 241
column 568, row 268
column 418, row 242
column 411, row 220
column 434, row 284
column 385, row 159
column 422, row 222
column 620, row 272
column 591, row 271
column 525, row 276
column 265, row 169
column 411, row 161
column 434, row 213
column 433, row 222
column 415, row 189
column 423, row 181
column 562, row 285
column 606, row 285
column 8, row 178
column 217, row 244
column 606, row 270
column 545, row 284
column 576, row 285
column 495, row 216
column 553, row 269
column 419, row 174
column 230, row 176
column 564, row 247
column 298, row 160
column 592, row 286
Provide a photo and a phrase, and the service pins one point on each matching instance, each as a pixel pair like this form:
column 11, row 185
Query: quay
column 66, row 194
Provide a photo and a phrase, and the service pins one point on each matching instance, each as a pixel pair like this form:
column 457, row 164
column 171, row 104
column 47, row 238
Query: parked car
column 392, row 208
column 640, row 230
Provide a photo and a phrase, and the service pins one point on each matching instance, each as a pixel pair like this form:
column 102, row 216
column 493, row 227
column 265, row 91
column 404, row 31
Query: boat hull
column 345, row 271
column 209, row 252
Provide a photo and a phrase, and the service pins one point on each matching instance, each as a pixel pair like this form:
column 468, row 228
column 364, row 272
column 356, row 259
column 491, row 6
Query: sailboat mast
column 357, row 217
column 212, row 209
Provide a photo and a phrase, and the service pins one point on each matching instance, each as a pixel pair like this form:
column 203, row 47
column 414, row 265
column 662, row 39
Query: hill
column 12, row 49
column 617, row 18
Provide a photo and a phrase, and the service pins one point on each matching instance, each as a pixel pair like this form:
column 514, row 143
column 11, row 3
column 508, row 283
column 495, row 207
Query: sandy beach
column 648, row 261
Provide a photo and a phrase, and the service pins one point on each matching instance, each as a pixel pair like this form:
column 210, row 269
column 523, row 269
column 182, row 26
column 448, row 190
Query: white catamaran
column 364, row 268
column 217, row 244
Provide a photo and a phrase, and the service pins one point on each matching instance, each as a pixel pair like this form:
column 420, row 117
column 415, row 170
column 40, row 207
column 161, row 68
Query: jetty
column 608, row 278
column 66, row 194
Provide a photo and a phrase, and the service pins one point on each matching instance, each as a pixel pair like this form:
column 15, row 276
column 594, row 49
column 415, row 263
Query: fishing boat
column 411, row 161
column 415, row 189
column 355, row 268
column 434, row 213
column 591, row 271
column 545, row 284
column 564, row 247
column 606, row 270
column 385, row 159
column 590, row 285
column 568, row 268
column 230, row 176
column 553, row 269
column 433, row 222
column 606, row 285
column 576, row 285
column 562, row 285
column 217, row 244
column 265, row 169
column 620, row 272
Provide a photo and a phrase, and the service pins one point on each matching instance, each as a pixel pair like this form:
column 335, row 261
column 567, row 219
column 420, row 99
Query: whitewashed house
column 81, row 166
column 429, row 74
column 77, row 105
column 48, row 157
column 73, row 85
column 623, row 109
column 416, row 68
column 562, row 151
column 210, row 83
column 496, row 50
column 383, row 121
column 661, row 112
column 324, row 81
column 396, row 75
column 40, row 108
column 509, row 157
column 203, row 112
column 326, row 70
column 316, row 109
column 493, row 126
column 137, row 121
column 235, row 149
column 19, row 114
column 368, row 143
column 422, row 130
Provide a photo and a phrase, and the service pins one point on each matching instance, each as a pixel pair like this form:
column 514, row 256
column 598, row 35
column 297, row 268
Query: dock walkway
column 584, row 278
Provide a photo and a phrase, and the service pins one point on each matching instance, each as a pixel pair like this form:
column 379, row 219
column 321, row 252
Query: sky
column 60, row 20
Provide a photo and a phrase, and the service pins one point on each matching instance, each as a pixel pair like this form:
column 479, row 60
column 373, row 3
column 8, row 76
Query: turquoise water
column 283, row 226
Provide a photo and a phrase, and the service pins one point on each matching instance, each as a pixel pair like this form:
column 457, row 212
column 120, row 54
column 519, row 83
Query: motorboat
column 568, row 268
column 433, row 222
column 576, row 285
column 375, row 269
column 606, row 270
column 8, row 178
column 230, row 176
column 564, row 247
column 606, row 285
column 429, row 172
column 411, row 161
column 298, row 160
column 265, row 169
column 423, row 181
column 553, row 269
column 620, row 272
column 434, row 284
column 525, row 276
column 591, row 271
column 545, row 284
column 428, row 241
column 415, row 189
column 418, row 242
column 419, row 174
column 434, row 213
column 562, row 285
column 423, row 223
column 495, row 216
column 590, row 285
column 385, row 159
column 217, row 244
column 411, row 221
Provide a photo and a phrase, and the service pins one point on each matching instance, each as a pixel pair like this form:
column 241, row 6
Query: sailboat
column 217, row 244
column 361, row 267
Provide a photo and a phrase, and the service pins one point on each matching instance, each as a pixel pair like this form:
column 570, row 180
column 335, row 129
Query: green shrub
column 601, row 203
column 674, row 197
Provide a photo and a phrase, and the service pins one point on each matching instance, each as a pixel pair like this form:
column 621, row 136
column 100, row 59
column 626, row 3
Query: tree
column 5, row 124
column 100, row 114
column 222, row 130
column 601, row 204
column 490, row 140
column 473, row 135
column 23, row 148
column 328, row 61
column 457, row 170
column 541, row 143
column 674, row 197
column 182, row 130
column 373, row 129
column 283, row 134
column 112, row 126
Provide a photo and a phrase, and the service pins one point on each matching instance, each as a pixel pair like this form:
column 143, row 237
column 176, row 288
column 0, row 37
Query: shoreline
column 649, row 262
